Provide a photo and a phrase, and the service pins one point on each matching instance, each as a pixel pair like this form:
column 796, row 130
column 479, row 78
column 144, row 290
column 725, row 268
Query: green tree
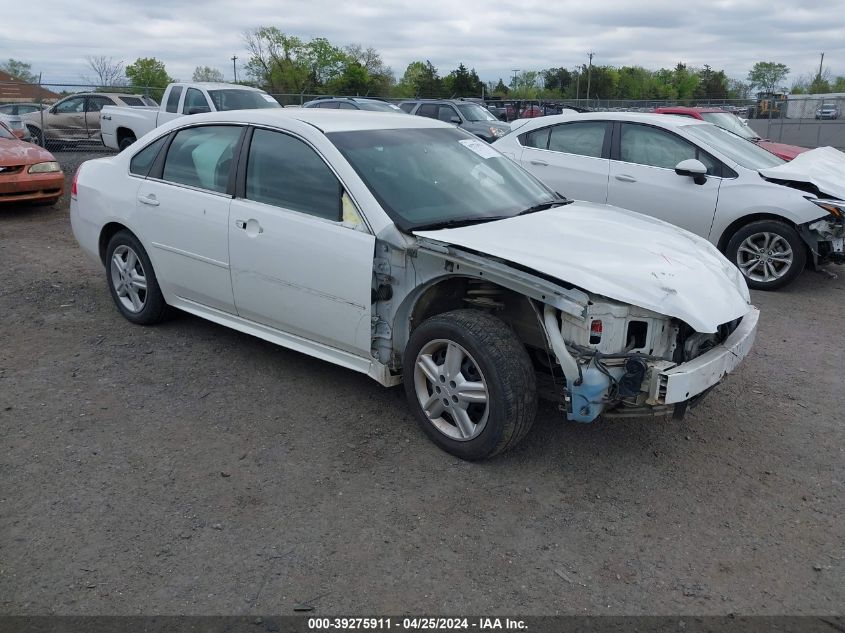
column 767, row 76
column 207, row 73
column 712, row 84
column 838, row 85
column 381, row 78
column 277, row 62
column 353, row 80
column 19, row 70
column 462, row 83
column 556, row 80
column 501, row 89
column 525, row 85
column 148, row 72
column 421, row 80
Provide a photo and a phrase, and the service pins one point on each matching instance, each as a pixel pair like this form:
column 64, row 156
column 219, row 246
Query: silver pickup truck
column 121, row 127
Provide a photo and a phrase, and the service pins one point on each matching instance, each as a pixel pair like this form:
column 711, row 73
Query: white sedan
column 770, row 218
column 409, row 250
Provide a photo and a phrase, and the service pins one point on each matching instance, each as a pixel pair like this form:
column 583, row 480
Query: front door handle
column 625, row 178
column 540, row 163
column 149, row 199
column 251, row 226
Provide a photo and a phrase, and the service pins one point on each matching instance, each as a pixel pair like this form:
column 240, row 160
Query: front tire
column 37, row 137
column 470, row 383
column 132, row 281
column 769, row 253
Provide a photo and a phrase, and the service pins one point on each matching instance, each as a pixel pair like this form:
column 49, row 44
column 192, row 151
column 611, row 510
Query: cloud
column 492, row 37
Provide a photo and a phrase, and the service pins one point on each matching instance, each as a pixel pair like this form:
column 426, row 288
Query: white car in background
column 410, row 250
column 769, row 217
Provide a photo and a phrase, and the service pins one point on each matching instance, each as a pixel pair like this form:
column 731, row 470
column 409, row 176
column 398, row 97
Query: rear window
column 132, row 101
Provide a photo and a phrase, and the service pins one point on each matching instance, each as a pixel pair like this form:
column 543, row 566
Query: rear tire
column 470, row 383
column 769, row 253
column 132, row 280
column 125, row 142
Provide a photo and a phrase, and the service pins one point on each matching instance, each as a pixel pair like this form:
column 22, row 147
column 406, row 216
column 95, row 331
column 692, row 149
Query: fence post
column 42, row 136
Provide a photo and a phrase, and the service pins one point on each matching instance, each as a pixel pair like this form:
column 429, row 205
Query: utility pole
column 589, row 74
column 820, row 68
column 235, row 67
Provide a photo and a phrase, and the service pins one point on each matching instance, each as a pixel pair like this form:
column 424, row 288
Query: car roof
column 660, row 120
column 214, row 85
column 688, row 109
column 322, row 119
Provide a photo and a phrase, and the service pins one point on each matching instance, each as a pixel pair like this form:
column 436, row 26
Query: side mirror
column 197, row 110
column 456, row 120
column 694, row 168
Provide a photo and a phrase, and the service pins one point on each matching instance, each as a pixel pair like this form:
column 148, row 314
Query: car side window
column 406, row 107
column 173, row 99
column 447, row 113
column 143, row 160
column 585, row 138
column 195, row 99
column 647, row 145
column 286, row 172
column 537, row 138
column 328, row 105
column 71, row 106
column 429, row 110
column 95, row 104
column 346, row 106
column 202, row 157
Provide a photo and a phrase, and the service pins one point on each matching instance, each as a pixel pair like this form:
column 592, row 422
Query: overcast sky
column 493, row 36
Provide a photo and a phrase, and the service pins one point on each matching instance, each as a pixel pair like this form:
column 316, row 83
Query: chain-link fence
column 67, row 117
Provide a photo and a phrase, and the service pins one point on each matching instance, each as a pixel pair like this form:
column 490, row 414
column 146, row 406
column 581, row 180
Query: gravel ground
column 190, row 469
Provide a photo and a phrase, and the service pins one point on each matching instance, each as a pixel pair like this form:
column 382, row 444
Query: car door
column 171, row 108
column 571, row 158
column 183, row 212
column 93, row 105
column 296, row 266
column 195, row 102
column 643, row 178
column 66, row 120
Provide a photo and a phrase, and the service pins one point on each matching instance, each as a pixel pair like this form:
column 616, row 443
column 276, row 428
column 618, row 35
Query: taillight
column 595, row 332
column 73, row 184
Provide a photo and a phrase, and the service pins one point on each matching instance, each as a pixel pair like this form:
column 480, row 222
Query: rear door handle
column 149, row 199
column 625, row 178
column 540, row 163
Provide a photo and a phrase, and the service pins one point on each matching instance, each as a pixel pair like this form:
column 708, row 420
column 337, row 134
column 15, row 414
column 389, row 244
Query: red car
column 731, row 123
column 28, row 173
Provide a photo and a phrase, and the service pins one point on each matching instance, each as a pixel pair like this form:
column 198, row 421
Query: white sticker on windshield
column 480, row 147
column 269, row 98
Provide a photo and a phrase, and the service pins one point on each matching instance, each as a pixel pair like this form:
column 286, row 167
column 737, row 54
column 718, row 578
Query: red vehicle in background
column 731, row 123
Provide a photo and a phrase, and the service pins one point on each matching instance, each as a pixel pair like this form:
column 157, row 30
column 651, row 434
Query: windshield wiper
column 545, row 205
column 457, row 222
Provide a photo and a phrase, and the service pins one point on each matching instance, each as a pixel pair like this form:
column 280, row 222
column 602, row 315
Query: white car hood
column 618, row 254
column 824, row 167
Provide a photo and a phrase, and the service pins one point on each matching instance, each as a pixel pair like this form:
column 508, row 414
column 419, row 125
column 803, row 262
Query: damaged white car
column 769, row 217
column 407, row 249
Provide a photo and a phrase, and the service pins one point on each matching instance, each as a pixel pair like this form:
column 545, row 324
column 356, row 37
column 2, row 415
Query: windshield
column 378, row 106
column 731, row 123
column 742, row 152
column 474, row 112
column 242, row 100
column 433, row 176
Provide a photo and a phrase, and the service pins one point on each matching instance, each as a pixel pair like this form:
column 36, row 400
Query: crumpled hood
column 15, row 152
column 823, row 167
column 618, row 254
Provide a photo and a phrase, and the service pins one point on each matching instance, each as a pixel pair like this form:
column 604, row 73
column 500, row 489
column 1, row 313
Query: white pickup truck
column 120, row 127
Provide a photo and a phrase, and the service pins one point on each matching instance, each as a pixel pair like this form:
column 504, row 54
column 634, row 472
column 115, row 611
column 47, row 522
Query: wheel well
column 105, row 237
column 453, row 293
column 123, row 132
column 727, row 234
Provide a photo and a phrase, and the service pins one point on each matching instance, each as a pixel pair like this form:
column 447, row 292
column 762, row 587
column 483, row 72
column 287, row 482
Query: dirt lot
column 187, row 468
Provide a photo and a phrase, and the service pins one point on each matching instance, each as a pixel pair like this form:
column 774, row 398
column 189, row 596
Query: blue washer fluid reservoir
column 587, row 398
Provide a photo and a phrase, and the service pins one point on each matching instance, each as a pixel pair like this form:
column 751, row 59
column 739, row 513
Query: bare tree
column 107, row 71
column 207, row 73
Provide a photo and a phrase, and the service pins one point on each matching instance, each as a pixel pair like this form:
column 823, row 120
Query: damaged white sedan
column 409, row 250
